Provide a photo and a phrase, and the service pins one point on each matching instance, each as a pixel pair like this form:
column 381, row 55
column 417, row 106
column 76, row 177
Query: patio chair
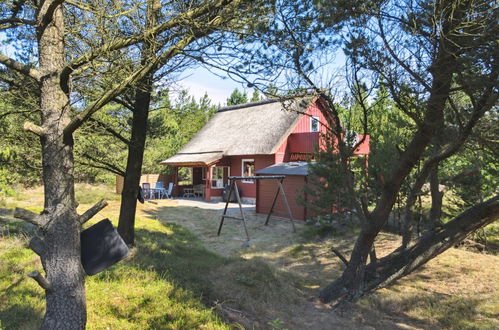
column 199, row 190
column 147, row 191
column 160, row 190
column 170, row 190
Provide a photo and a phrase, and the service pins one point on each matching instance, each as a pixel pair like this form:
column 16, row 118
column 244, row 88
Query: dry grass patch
column 272, row 284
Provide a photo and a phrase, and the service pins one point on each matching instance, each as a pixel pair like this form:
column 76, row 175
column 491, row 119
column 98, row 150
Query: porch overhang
column 194, row 158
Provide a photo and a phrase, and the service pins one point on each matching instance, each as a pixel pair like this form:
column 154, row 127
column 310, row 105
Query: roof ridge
column 247, row 105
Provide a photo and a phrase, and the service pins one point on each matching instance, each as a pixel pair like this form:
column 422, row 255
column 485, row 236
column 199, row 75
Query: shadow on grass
column 435, row 310
column 179, row 256
column 162, row 284
column 16, row 315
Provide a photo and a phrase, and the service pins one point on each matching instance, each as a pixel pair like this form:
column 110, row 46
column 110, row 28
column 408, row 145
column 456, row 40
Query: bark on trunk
column 436, row 198
column 351, row 284
column 134, row 167
column 60, row 255
column 128, row 208
column 404, row 261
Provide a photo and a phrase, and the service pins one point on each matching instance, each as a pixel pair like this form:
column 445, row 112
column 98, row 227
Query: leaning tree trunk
column 59, row 243
column 351, row 285
column 143, row 90
column 404, row 261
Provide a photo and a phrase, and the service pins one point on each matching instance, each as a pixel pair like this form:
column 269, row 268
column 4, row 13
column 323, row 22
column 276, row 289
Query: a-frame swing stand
column 233, row 188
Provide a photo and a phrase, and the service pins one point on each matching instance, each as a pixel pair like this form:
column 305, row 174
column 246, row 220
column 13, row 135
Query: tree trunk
column 134, row 166
column 143, row 90
column 60, row 255
column 407, row 226
column 351, row 285
column 403, row 262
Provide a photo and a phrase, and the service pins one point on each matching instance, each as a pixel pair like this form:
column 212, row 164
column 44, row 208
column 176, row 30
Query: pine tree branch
column 11, row 22
column 133, row 78
column 30, row 127
column 27, row 216
column 339, row 255
column 99, row 12
column 399, row 61
column 91, row 212
column 19, row 67
column 110, row 130
column 40, row 279
column 124, row 103
column 179, row 20
column 105, row 165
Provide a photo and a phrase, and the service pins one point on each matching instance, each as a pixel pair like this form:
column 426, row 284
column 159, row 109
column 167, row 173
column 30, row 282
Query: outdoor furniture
column 199, row 190
column 170, row 190
column 160, row 190
column 147, row 190
column 188, row 192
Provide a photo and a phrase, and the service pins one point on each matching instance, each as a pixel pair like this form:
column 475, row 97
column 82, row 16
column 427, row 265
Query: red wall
column 293, row 186
column 301, row 140
column 305, row 142
column 246, row 190
column 303, row 125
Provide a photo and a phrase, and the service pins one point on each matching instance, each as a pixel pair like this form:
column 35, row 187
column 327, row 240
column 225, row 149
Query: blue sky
column 199, row 81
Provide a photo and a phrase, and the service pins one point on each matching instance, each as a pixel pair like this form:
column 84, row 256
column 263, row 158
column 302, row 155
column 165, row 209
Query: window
column 219, row 176
column 203, row 173
column 248, row 169
column 314, row 124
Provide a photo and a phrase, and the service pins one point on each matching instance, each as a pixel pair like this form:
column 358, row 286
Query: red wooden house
column 241, row 139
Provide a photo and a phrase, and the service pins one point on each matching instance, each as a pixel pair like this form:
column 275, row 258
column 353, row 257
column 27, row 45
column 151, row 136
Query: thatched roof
column 257, row 128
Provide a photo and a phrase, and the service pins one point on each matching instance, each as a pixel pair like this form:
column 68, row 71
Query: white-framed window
column 248, row 169
column 219, row 176
column 315, row 124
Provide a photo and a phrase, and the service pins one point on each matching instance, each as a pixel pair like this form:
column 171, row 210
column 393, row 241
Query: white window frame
column 211, row 179
column 312, row 125
column 242, row 169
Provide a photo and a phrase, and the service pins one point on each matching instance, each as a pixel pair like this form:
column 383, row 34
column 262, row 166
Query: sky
column 199, row 81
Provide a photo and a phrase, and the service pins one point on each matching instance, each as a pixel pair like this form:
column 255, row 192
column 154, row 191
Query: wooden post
column 225, row 209
column 241, row 209
column 287, row 205
column 273, row 204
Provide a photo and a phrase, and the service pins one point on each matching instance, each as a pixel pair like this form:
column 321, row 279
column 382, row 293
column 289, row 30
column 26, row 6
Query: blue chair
column 147, row 191
column 160, row 190
column 170, row 190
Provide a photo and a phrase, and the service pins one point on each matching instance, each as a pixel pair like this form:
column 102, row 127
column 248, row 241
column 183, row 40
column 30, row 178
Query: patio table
column 151, row 193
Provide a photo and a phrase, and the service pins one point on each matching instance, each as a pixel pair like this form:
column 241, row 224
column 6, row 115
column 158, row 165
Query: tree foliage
column 78, row 57
column 421, row 77
column 237, row 97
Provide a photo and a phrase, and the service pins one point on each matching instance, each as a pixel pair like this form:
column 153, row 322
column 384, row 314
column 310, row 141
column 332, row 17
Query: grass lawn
column 181, row 275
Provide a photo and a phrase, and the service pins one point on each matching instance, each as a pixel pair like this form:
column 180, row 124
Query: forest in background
column 436, row 60
column 468, row 177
